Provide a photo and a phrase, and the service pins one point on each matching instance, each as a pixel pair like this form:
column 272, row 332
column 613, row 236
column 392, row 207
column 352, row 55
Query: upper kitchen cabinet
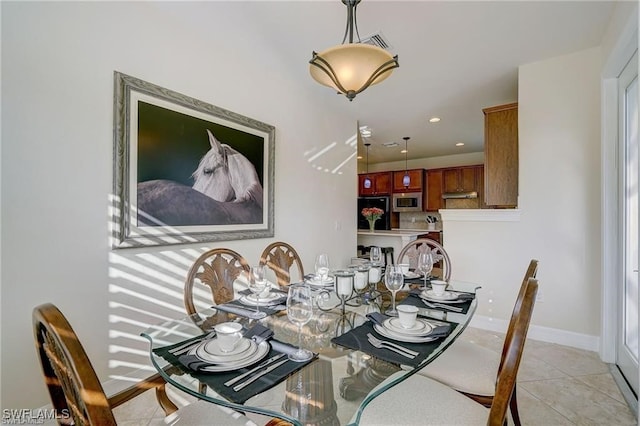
column 460, row 179
column 380, row 184
column 501, row 156
column 416, row 177
column 433, row 194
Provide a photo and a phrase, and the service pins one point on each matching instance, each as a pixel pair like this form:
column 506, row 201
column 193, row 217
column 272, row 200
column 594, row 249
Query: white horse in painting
column 226, row 175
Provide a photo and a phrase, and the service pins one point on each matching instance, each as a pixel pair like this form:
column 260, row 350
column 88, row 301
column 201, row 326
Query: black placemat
column 413, row 299
column 216, row 381
column 357, row 339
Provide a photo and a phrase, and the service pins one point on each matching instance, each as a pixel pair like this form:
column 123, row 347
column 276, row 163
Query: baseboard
column 544, row 334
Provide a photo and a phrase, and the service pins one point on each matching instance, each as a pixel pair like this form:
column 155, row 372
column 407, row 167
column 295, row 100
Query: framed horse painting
column 187, row 171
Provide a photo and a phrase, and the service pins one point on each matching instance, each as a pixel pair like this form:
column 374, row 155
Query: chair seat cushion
column 466, row 367
column 419, row 400
column 203, row 412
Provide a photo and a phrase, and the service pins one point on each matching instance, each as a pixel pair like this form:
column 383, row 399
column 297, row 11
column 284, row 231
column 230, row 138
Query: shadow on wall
column 145, row 288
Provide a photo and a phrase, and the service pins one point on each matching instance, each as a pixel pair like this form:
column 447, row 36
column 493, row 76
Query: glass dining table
column 332, row 389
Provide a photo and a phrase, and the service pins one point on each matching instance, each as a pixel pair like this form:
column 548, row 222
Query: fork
column 441, row 306
column 392, row 347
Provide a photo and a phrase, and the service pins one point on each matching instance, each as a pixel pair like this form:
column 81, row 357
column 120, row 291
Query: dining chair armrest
column 121, row 391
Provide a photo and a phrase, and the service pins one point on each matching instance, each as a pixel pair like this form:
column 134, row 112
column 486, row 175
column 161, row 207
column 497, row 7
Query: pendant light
column 406, row 180
column 352, row 67
column 367, row 180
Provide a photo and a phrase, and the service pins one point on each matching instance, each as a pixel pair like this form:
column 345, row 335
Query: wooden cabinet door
column 467, row 179
column 433, row 194
column 415, row 182
column 450, row 180
column 501, row 155
column 383, row 183
column 362, row 191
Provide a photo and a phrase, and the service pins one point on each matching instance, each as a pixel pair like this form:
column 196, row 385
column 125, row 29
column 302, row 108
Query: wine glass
column 425, row 265
column 375, row 255
column 299, row 312
column 393, row 280
column 257, row 282
column 322, row 267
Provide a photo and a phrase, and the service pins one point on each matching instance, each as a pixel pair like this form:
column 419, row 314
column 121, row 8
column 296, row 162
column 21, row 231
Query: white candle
column 361, row 280
column 374, row 275
column 343, row 286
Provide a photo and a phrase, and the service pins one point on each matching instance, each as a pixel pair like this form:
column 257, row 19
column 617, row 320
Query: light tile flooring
column 557, row 385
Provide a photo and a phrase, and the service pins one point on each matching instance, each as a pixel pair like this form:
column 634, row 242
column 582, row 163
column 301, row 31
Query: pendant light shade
column 351, row 67
column 367, row 180
column 406, row 179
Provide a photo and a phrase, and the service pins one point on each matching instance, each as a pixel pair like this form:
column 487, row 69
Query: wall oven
column 407, row 202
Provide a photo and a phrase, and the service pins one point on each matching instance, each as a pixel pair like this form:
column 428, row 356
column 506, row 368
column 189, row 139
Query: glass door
column 627, row 346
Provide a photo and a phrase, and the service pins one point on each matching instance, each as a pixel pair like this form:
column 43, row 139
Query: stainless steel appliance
column 384, row 223
column 407, row 202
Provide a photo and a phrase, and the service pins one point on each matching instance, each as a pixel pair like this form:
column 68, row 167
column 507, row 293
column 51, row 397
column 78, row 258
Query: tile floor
column 557, row 385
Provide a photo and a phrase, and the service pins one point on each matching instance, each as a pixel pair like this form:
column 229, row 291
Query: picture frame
column 186, row 171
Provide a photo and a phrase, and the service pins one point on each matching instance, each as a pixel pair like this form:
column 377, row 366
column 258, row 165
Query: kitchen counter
column 393, row 232
column 394, row 238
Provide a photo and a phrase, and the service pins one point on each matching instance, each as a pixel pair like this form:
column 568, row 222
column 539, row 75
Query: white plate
column 412, row 275
column 402, row 337
column 210, row 351
column 252, row 300
column 261, row 351
column 447, row 297
column 324, row 283
column 420, row 328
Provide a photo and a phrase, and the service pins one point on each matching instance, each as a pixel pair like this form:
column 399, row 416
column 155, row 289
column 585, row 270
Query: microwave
column 407, row 202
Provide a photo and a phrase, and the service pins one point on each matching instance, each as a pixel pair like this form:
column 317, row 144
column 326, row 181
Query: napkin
column 193, row 362
column 259, row 331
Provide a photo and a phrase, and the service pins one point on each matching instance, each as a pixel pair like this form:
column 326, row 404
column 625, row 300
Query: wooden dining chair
column 75, row 390
column 282, row 258
column 477, row 380
column 215, row 271
column 432, row 402
column 442, row 262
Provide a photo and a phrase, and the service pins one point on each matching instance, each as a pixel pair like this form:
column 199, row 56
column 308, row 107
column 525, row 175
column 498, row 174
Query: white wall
column 559, row 201
column 57, row 80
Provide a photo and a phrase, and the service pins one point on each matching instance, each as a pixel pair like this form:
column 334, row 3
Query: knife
column 257, row 376
column 253, row 370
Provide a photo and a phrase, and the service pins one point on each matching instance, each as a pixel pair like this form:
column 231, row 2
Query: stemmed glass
column 393, row 280
column 299, row 312
column 322, row 267
column 257, row 283
column 375, row 255
column 425, row 265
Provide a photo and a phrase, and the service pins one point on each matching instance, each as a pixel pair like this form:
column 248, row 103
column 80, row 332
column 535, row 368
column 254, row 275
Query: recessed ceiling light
column 460, row 144
column 365, row 131
column 360, row 157
column 434, row 119
column 403, row 151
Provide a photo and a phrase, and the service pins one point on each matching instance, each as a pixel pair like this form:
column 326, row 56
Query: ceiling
column 456, row 58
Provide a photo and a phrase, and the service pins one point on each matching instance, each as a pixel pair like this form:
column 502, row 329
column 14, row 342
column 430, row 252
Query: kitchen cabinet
column 415, row 184
column 460, row 179
column 433, row 195
column 380, row 184
column 501, row 155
